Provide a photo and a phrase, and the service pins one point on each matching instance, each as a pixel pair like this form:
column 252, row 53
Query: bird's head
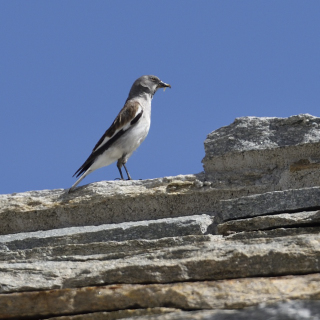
column 147, row 84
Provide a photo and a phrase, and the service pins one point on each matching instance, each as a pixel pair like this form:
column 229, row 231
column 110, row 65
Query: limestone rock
column 291, row 310
column 119, row 314
column 273, row 233
column 151, row 229
column 225, row 294
column 268, row 203
column 265, row 154
column 235, row 242
column 110, row 202
column 192, row 258
column 260, row 133
column 298, row 219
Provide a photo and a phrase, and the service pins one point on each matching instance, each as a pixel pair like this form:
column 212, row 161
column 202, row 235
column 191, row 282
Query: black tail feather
column 88, row 163
column 83, row 168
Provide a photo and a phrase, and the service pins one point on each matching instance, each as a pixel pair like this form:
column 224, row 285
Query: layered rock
column 235, row 241
column 265, row 154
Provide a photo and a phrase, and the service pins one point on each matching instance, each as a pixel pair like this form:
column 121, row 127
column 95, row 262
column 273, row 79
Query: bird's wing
column 127, row 117
column 128, row 113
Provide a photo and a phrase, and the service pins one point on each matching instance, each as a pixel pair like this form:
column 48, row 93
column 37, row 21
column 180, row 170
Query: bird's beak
column 163, row 85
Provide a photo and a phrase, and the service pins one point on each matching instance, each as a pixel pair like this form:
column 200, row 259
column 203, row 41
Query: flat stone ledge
column 101, row 251
column 274, row 233
column 151, row 229
column 225, row 294
column 269, row 203
column 283, row 220
column 266, row 154
column 119, row 314
column 289, row 310
column 110, row 202
column 263, row 133
column 167, row 260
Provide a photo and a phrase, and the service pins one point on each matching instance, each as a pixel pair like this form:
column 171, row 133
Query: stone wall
column 238, row 241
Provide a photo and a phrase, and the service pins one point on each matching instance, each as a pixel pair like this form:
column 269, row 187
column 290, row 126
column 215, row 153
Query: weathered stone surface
column 135, row 249
column 151, row 229
column 48, row 212
column 163, row 261
column 260, row 133
column 111, row 250
column 225, row 294
column 265, row 153
column 110, row 202
column 298, row 219
column 196, row 315
column 274, row 233
column 291, row 310
column 120, row 314
column 269, row 203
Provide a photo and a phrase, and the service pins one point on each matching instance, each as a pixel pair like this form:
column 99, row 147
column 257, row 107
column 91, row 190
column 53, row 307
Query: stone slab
column 269, row 203
column 283, row 220
column 271, row 153
column 260, row 133
column 119, row 314
column 225, row 294
column 108, row 250
column 150, row 229
column 110, row 202
column 167, row 260
column 289, row 310
column 274, row 233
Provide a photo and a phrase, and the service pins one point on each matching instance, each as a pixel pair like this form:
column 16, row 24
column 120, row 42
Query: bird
column 127, row 132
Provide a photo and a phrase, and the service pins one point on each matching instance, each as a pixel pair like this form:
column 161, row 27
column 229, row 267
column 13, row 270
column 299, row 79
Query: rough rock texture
column 120, row 314
column 151, row 229
column 110, row 202
column 225, row 294
column 292, row 310
column 190, row 259
column 269, row 222
column 265, row 154
column 239, row 241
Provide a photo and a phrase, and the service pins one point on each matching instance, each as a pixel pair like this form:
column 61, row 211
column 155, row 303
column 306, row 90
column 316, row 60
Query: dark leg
column 129, row 178
column 119, row 165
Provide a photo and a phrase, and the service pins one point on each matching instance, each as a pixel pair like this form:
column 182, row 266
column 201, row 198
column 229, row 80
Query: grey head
column 146, row 85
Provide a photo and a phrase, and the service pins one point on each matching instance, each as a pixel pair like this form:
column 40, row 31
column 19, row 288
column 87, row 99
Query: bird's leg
column 129, row 177
column 119, row 165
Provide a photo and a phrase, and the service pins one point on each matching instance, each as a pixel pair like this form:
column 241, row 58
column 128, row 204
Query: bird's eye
column 153, row 79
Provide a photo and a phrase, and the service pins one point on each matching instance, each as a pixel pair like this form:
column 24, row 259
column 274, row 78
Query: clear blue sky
column 67, row 67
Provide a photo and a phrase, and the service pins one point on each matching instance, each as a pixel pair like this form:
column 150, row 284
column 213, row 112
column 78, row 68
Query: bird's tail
column 80, row 179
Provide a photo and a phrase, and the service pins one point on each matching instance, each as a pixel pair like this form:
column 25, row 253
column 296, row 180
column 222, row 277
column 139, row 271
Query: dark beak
column 163, row 85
